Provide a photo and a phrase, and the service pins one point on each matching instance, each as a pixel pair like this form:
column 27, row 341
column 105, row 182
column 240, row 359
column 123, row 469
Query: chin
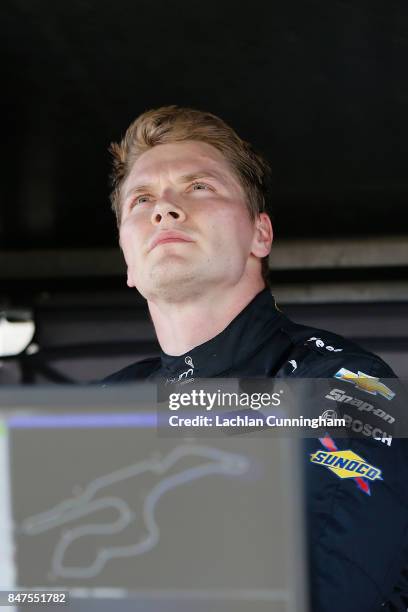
column 172, row 285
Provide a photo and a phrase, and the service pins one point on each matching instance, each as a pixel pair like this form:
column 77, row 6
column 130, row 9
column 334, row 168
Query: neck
column 182, row 326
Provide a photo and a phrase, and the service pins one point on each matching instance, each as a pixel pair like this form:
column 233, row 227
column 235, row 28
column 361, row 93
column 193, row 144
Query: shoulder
column 321, row 353
column 136, row 371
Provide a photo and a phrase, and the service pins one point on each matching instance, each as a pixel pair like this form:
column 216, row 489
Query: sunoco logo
column 346, row 464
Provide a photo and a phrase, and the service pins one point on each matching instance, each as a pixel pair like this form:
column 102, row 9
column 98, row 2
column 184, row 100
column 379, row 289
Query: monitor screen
column 97, row 502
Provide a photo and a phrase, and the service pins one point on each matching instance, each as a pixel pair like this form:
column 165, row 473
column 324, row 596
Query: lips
column 168, row 236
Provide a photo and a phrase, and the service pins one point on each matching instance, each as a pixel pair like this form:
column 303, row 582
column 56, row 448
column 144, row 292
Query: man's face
column 185, row 225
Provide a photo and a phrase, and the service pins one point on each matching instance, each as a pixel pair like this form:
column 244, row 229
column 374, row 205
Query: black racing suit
column 358, row 542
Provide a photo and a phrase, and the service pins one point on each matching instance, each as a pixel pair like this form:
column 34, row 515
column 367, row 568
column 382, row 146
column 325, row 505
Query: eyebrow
column 185, row 178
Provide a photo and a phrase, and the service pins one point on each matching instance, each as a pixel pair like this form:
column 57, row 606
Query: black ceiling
column 320, row 87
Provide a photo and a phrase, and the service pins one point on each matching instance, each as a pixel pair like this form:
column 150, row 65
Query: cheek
column 229, row 230
column 236, row 227
column 129, row 241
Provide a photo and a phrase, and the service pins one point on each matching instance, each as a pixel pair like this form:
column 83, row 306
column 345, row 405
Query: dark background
column 319, row 87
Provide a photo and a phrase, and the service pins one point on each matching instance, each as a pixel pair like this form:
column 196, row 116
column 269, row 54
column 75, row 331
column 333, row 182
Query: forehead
column 179, row 158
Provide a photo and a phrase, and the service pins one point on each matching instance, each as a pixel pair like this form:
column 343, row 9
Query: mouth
column 165, row 237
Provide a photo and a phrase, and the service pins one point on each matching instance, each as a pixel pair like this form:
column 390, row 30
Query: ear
column 263, row 236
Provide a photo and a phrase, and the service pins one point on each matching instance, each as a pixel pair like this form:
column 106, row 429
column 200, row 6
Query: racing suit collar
column 235, row 344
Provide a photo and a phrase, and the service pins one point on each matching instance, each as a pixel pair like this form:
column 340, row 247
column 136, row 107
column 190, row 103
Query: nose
column 167, row 212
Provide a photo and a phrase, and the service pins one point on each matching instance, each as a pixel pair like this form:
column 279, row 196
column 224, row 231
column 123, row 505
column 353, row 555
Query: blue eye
column 141, row 199
column 200, row 186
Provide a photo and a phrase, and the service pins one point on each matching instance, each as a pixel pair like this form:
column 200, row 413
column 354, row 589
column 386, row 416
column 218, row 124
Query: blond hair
column 172, row 124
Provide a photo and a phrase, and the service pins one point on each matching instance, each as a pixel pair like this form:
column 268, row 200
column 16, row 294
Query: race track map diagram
column 212, row 461
column 155, row 520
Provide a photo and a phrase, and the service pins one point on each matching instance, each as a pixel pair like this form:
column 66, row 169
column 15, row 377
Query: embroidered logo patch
column 346, row 464
column 370, row 384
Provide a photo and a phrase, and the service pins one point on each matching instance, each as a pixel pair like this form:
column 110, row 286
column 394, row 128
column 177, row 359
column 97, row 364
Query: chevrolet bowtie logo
column 370, row 384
